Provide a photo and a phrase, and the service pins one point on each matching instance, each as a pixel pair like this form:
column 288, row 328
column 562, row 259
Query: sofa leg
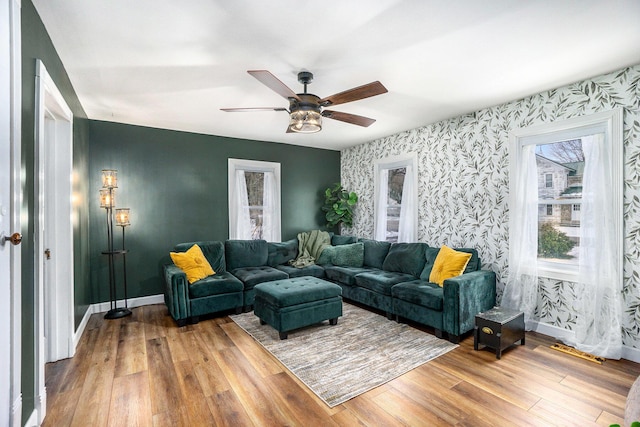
column 238, row 310
column 454, row 339
column 438, row 333
column 195, row 320
column 399, row 319
column 247, row 308
column 181, row 323
column 389, row 315
column 262, row 322
column 333, row 321
column 283, row 335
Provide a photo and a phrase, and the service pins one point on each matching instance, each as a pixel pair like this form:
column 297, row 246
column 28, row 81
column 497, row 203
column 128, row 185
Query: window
column 396, row 195
column 254, row 200
column 574, row 162
column 548, row 180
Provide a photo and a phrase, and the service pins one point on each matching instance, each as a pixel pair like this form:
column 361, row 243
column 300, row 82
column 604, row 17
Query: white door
column 10, row 201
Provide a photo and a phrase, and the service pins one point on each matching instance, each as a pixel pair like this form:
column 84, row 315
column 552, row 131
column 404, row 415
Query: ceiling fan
column 306, row 110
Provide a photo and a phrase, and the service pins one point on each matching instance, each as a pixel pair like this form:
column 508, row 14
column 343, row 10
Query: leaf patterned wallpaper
column 464, row 182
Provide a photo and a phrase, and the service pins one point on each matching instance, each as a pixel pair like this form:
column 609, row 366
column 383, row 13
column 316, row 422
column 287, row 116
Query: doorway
column 53, row 229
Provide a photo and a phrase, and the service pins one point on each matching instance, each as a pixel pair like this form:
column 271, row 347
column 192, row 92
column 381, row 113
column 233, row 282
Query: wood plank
column 130, row 401
column 228, row 411
column 259, row 357
column 193, row 397
column 556, row 414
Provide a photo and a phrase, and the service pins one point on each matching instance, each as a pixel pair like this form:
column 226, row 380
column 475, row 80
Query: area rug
column 363, row 351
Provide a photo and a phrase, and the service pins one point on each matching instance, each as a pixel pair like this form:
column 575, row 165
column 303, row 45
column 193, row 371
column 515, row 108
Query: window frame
column 251, row 166
column 396, row 162
column 611, row 124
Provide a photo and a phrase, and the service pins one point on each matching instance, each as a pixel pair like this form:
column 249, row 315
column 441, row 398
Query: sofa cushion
column 286, row 293
column 420, row 292
column 344, row 275
column 375, row 252
column 432, row 253
column 251, row 276
column 449, row 263
column 282, row 252
column 381, row 281
column 337, row 240
column 213, row 251
column 193, row 263
column 310, row 270
column 246, row 253
column 350, row 255
column 408, row 258
column 221, row 283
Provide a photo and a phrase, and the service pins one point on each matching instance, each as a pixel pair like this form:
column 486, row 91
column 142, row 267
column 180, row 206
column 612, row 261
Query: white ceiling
column 173, row 64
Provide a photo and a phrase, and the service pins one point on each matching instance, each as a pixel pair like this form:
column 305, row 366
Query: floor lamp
column 107, row 201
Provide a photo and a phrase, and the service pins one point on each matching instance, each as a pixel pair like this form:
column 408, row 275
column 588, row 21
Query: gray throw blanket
column 310, row 246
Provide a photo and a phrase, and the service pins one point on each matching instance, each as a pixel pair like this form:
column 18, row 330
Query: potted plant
column 338, row 205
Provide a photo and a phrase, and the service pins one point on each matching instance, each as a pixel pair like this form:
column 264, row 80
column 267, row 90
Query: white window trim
column 251, row 166
column 609, row 122
column 394, row 162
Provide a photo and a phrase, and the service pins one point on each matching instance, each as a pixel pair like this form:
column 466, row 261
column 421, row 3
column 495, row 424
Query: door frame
column 10, row 26
column 53, row 185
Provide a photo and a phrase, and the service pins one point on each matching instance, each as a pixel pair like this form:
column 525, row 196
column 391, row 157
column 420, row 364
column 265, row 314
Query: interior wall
column 175, row 184
column 36, row 44
column 463, row 168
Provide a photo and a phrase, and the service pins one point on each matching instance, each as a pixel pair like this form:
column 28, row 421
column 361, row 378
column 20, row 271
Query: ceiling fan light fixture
column 305, row 121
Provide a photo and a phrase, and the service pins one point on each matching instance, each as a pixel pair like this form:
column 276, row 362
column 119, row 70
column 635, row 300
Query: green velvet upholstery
column 246, row 253
column 344, row 275
column 408, row 258
column 219, row 283
column 381, row 281
column 284, row 293
column 294, row 303
column 282, row 252
column 337, row 240
column 453, row 307
column 310, row 270
column 251, row 276
column 420, row 293
column 375, row 252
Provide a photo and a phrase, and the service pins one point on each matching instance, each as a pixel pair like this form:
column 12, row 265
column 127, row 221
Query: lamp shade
column 109, row 178
column 107, row 198
column 122, row 217
column 305, row 121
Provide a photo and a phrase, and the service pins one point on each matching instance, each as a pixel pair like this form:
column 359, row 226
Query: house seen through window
column 561, row 163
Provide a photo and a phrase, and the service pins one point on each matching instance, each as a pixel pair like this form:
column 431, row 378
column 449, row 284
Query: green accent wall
column 175, row 184
column 36, row 44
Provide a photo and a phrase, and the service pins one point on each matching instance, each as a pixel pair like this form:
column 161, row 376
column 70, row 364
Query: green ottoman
column 290, row 304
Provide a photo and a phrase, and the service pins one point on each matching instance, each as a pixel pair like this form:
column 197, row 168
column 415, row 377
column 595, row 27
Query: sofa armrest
column 176, row 292
column 464, row 297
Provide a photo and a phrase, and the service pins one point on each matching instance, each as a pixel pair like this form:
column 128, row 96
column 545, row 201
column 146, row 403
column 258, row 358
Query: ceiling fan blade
column 348, row 118
column 273, row 83
column 234, row 110
column 360, row 92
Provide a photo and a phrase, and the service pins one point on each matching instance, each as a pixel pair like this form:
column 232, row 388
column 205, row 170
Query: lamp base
column 117, row 313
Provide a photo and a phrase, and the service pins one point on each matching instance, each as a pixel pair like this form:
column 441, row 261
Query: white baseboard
column 16, row 412
column 628, row 353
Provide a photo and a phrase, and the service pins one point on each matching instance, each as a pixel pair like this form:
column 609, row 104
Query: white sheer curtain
column 521, row 290
column 271, row 209
column 241, row 221
column 407, row 230
column 599, row 298
column 381, row 205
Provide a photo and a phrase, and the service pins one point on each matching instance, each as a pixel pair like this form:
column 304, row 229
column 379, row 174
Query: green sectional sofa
column 393, row 278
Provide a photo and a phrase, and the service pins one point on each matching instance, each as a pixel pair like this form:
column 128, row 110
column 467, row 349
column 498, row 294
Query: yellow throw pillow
column 193, row 263
column 448, row 263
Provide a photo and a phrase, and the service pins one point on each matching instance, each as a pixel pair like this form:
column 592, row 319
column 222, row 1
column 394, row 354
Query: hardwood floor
column 144, row 371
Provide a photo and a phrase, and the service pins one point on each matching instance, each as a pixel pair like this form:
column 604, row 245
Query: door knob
column 15, row 239
column 47, row 253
